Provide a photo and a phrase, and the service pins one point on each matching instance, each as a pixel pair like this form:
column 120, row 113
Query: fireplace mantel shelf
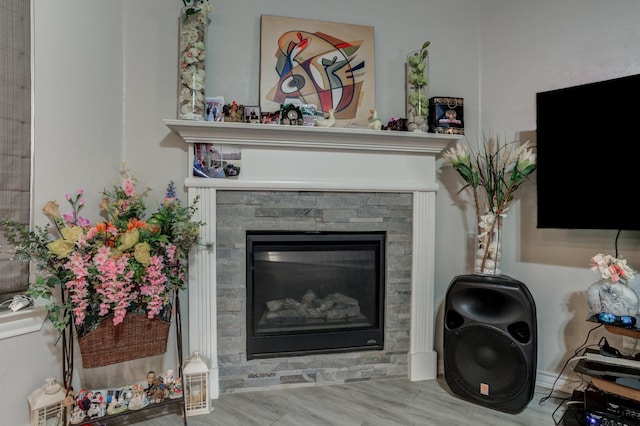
column 308, row 137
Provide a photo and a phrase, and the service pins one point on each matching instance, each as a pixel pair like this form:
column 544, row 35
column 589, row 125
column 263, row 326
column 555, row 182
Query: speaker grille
column 485, row 364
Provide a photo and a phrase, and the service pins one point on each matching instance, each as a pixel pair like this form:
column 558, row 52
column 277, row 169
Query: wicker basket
column 135, row 337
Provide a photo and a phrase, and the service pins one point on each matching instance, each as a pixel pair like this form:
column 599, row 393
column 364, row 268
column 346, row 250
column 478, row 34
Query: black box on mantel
column 446, row 115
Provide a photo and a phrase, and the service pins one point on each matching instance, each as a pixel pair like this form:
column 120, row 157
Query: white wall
column 106, row 76
column 78, row 142
column 528, row 47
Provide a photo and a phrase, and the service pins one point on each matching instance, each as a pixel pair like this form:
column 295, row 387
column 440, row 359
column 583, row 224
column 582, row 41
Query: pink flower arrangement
column 125, row 264
column 612, row 268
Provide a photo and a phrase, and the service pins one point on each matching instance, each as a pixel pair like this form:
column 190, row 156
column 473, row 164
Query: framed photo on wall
column 326, row 64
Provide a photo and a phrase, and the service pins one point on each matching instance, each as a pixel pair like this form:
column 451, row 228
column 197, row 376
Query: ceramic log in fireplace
column 314, row 292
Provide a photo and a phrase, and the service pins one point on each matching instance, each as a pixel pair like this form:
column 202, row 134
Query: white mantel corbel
column 301, row 158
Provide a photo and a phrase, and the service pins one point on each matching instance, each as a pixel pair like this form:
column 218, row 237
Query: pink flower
column 69, row 218
column 128, row 187
column 82, row 221
column 171, row 252
column 99, row 275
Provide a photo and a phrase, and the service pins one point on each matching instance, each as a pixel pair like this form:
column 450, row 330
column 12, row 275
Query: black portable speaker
column 490, row 341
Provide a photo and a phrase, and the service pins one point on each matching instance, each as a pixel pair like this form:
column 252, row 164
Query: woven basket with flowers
column 113, row 280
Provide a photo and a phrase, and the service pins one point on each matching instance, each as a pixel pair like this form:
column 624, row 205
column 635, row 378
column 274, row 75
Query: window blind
column 15, row 134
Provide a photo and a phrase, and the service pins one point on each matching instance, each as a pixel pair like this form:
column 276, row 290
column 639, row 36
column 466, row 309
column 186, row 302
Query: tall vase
column 488, row 244
column 616, row 298
column 192, row 76
column 417, row 78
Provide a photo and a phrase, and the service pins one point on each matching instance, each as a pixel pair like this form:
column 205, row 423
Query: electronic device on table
column 599, row 364
column 605, row 408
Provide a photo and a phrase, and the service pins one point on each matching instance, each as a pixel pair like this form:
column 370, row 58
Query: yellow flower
column 51, row 211
column 64, row 246
column 141, row 252
column 129, row 239
column 61, row 248
column 72, row 233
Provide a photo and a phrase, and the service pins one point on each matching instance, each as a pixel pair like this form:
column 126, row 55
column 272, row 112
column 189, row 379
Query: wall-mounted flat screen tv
column 588, row 155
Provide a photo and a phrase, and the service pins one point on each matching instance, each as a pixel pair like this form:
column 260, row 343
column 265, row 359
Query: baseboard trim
column 544, row 380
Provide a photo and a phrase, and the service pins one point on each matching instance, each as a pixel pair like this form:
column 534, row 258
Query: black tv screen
column 588, row 154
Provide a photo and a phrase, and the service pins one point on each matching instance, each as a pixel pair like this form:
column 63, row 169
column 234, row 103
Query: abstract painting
column 325, row 64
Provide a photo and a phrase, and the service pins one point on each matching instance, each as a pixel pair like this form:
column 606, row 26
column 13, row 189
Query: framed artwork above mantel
column 326, row 64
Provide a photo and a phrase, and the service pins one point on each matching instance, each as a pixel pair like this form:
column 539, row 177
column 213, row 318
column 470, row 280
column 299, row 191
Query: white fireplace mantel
column 309, row 137
column 280, row 158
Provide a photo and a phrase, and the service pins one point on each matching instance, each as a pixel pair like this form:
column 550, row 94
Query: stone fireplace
column 296, row 178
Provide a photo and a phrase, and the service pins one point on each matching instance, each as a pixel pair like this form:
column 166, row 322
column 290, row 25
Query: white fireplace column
column 302, row 158
column 203, row 312
column 423, row 362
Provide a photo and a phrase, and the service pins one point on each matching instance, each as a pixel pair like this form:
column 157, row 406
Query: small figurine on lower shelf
column 169, row 383
column 94, row 411
column 176, row 391
column 156, row 390
column 77, row 415
column 139, row 398
column 118, row 403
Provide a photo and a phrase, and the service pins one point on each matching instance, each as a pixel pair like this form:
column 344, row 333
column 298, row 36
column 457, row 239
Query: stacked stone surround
column 241, row 211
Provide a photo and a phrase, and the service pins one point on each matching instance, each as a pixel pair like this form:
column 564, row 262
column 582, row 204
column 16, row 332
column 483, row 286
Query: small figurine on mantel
column 374, row 121
column 327, row 122
column 399, row 124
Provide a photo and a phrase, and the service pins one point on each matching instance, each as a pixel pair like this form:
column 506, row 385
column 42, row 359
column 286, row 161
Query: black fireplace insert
column 314, row 292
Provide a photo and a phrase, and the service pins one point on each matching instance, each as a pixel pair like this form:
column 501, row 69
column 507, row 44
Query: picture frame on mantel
column 214, row 108
column 251, row 114
column 326, row 64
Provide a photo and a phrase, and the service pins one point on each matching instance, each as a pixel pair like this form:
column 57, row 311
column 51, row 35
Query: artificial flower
column 142, row 253
column 112, row 268
column 129, row 239
column 417, row 80
column 52, row 210
column 493, row 174
column 61, row 248
column 196, row 10
column 72, row 233
column 612, row 268
column 195, row 19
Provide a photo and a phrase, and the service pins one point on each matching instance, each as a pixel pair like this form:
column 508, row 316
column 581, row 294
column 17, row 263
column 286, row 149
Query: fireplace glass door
column 314, row 292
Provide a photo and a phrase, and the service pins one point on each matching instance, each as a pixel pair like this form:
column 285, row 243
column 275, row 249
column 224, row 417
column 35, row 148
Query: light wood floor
column 380, row 403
